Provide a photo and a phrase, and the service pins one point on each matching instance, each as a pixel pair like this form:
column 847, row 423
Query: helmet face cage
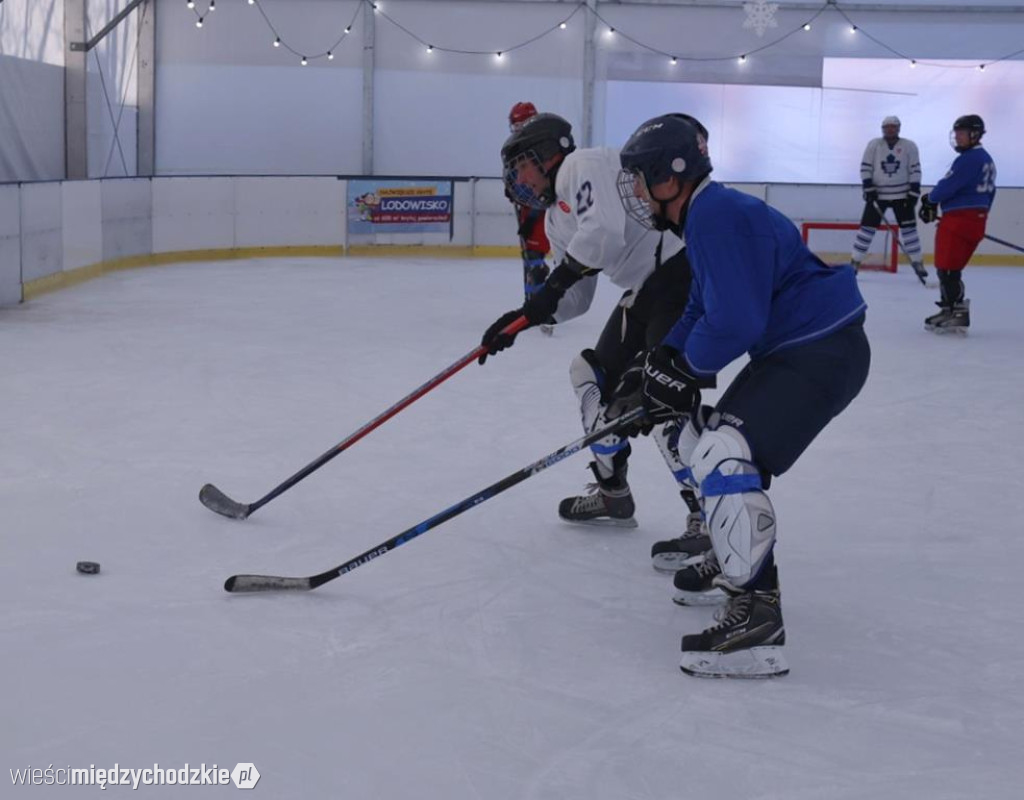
column 635, row 196
column 522, row 193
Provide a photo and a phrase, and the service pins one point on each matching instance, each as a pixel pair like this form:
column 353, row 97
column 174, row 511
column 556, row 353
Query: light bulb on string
column 742, row 59
column 277, row 42
column 199, row 22
column 304, row 61
column 213, row 5
column 190, row 4
column 330, row 56
column 673, row 61
column 807, row 26
column 430, row 48
column 563, row 26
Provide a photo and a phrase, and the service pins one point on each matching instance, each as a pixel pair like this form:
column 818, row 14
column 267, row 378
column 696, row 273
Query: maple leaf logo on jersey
column 564, row 206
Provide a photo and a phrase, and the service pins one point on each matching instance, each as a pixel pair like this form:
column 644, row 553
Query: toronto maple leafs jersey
column 588, row 222
column 756, row 287
column 891, row 168
column 970, row 182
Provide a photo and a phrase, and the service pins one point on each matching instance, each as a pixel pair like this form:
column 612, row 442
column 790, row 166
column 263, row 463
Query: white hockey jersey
column 891, row 169
column 588, row 222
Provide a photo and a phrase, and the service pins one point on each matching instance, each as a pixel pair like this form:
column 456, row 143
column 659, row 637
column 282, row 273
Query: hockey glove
column 929, row 211
column 870, row 192
column 494, row 340
column 627, row 397
column 670, row 389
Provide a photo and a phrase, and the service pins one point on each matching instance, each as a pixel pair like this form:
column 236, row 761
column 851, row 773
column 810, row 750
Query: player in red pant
column 965, row 195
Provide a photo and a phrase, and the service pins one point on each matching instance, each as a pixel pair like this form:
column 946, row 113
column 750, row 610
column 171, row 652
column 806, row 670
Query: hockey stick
column 215, row 500
column 921, row 276
column 1004, row 243
column 273, row 583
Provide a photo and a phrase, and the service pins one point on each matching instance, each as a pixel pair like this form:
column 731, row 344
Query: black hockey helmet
column 538, row 139
column 975, row 127
column 669, row 146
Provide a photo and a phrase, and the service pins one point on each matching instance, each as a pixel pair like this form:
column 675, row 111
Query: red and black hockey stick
column 215, row 500
column 275, row 583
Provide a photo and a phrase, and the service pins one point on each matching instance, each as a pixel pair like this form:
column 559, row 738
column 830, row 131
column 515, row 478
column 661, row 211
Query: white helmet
column 891, row 121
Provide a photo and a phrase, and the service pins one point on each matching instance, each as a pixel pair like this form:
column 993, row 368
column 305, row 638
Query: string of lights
column 563, row 24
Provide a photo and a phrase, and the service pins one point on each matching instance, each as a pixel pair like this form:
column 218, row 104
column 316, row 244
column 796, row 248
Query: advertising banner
column 399, row 206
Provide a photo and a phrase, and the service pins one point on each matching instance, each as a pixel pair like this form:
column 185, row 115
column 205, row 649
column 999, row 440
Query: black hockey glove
column 929, row 211
column 670, row 390
column 494, row 340
column 627, row 397
column 870, row 192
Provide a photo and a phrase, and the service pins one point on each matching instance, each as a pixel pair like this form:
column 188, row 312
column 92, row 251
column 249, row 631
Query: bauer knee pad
column 739, row 515
column 588, row 381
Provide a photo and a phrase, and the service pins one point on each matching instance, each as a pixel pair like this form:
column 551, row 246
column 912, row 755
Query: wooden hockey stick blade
column 215, row 500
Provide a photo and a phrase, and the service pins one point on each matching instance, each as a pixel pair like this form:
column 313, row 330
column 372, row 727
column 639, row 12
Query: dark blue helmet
column 669, row 146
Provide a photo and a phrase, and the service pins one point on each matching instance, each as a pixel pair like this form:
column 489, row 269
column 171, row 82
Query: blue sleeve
column 676, row 337
column 737, row 296
column 960, row 174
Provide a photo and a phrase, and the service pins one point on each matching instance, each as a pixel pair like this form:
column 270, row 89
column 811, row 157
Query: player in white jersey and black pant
column 590, row 234
column 890, row 172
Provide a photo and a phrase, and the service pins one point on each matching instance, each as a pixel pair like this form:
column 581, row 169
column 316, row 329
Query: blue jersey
column 756, row 287
column 970, row 182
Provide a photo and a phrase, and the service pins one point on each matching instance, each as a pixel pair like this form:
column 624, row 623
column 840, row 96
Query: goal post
column 833, row 241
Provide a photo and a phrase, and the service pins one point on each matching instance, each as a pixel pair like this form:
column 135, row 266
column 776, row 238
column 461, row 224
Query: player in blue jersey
column 756, row 289
column 965, row 195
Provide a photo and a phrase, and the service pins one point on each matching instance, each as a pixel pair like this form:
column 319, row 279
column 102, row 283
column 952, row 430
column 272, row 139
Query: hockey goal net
column 833, row 241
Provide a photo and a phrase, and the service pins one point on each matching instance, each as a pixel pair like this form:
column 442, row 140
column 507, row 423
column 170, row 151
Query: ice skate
column 747, row 642
column 608, row 503
column 951, row 318
column 672, row 555
column 695, row 583
column 920, row 271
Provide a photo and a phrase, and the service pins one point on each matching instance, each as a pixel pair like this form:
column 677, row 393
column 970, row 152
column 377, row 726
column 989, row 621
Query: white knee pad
column 586, row 378
column 739, row 514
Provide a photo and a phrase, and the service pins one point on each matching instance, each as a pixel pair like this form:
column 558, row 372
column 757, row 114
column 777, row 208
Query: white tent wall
column 228, row 102
column 31, row 90
column 112, row 89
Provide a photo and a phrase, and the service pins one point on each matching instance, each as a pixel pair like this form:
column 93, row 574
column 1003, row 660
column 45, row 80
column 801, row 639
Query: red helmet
column 519, row 114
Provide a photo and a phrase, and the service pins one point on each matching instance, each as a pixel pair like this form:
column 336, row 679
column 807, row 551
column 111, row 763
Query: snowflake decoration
column 760, row 16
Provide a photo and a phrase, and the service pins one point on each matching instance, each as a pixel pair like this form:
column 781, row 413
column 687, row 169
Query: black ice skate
column 747, row 642
column 672, row 555
column 951, row 318
column 608, row 503
column 920, row 271
column 695, row 583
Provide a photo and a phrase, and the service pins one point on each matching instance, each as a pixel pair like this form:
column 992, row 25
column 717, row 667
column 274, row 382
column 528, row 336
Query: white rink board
column 282, row 212
column 193, row 214
column 10, row 246
column 41, row 236
column 127, row 218
column 83, row 224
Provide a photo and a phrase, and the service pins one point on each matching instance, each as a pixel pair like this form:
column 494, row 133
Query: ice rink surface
column 504, row 654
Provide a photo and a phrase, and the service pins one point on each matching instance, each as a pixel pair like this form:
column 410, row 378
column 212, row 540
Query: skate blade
column 755, row 662
column 671, row 563
column 607, row 522
column 958, row 331
column 712, row 597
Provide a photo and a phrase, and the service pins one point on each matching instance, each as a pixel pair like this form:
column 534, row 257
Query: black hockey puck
column 88, row 567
